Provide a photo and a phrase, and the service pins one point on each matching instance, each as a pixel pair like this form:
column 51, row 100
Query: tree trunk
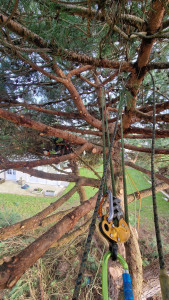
column 80, row 189
column 135, row 263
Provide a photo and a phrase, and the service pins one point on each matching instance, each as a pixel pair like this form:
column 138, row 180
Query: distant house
column 15, row 175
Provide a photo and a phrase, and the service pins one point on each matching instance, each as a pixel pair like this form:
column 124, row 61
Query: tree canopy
column 61, row 61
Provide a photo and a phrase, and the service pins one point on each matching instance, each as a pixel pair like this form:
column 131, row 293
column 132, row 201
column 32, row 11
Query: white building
column 15, row 175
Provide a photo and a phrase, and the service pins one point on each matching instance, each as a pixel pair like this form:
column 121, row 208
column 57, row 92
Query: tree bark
column 151, row 283
column 11, row 271
column 135, row 264
column 147, row 192
column 80, row 189
column 47, row 130
column 146, row 150
column 148, row 132
column 155, row 14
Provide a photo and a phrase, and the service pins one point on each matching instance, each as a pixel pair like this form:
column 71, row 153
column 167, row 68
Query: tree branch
column 148, row 132
column 11, row 271
column 158, row 66
column 72, row 235
column 159, row 107
column 40, row 109
column 147, row 192
column 98, row 15
column 143, row 136
column 55, row 50
column 71, row 88
column 144, row 116
column 6, row 164
column 12, row 13
column 156, row 14
column 88, row 81
column 145, row 171
column 82, row 131
column 47, row 130
column 80, row 106
column 69, row 178
column 146, row 150
column 35, row 221
column 78, row 71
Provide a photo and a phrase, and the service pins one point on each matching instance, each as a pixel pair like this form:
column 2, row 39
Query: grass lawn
column 14, row 208
column 17, row 207
column 146, row 215
column 146, row 233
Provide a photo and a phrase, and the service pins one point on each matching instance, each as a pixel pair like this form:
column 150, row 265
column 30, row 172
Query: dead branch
column 147, row 192
column 146, row 150
column 69, row 178
column 159, row 132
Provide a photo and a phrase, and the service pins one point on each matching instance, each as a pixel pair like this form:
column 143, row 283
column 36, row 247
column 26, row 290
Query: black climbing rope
column 156, row 219
column 93, row 222
column 164, row 278
column 104, row 141
column 124, row 176
column 111, row 163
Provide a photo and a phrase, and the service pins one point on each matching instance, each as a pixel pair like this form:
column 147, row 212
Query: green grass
column 20, row 207
column 139, row 180
column 146, row 215
column 17, row 207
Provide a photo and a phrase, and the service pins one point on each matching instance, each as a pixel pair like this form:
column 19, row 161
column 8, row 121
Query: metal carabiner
column 127, row 284
column 114, row 207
